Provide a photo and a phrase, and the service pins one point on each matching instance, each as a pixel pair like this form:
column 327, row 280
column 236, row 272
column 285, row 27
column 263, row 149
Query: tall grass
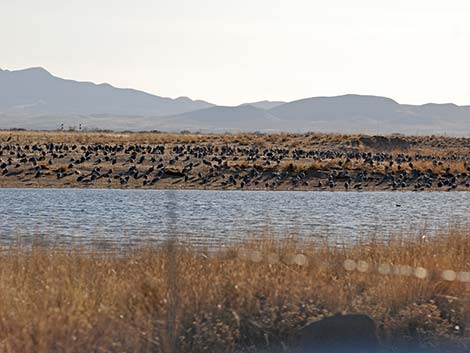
column 245, row 297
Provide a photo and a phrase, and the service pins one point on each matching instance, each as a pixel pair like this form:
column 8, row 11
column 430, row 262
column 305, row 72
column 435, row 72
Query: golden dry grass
column 438, row 145
column 247, row 297
column 430, row 155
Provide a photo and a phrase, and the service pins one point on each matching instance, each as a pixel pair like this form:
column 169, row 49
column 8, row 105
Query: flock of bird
column 226, row 166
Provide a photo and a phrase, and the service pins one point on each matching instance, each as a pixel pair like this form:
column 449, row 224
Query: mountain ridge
column 36, row 85
column 34, row 98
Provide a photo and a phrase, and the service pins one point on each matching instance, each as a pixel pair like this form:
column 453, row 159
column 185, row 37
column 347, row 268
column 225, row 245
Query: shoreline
column 306, row 162
column 367, row 190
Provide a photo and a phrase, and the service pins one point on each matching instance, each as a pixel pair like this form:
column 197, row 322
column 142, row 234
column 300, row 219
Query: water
column 123, row 217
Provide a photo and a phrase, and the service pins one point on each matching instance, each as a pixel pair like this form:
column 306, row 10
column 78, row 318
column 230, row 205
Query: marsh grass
column 245, row 297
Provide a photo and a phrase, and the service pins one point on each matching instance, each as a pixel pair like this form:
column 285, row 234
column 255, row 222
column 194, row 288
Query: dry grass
column 247, row 297
column 437, row 145
column 439, row 156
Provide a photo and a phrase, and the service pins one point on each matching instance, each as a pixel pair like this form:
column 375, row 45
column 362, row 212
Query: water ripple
column 207, row 217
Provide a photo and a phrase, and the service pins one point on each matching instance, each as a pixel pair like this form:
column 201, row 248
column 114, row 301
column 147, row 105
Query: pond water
column 123, row 217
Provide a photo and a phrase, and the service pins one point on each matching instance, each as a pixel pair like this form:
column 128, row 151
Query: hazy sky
column 229, row 52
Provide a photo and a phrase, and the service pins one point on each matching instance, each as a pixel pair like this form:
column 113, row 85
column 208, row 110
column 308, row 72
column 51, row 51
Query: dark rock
column 352, row 333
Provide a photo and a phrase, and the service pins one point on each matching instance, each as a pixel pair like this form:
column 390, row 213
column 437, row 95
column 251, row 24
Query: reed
column 248, row 297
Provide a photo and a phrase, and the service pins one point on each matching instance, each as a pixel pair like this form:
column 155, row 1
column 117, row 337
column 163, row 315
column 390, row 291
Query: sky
column 230, row 52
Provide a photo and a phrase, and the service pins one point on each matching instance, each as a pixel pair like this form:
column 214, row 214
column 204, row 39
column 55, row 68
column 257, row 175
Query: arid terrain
column 233, row 161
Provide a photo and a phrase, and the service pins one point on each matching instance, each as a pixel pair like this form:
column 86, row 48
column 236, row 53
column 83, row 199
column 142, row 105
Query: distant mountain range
column 35, row 99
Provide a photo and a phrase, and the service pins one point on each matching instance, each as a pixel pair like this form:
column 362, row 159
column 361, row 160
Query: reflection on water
column 207, row 217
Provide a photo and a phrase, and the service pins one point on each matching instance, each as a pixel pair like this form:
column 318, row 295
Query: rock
column 351, row 333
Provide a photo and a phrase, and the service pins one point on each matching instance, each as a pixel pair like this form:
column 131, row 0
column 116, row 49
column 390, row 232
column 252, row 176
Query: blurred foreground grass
column 249, row 297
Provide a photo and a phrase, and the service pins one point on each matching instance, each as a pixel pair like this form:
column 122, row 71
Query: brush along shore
column 250, row 297
column 233, row 161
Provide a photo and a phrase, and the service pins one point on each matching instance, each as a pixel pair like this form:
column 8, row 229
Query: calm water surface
column 206, row 217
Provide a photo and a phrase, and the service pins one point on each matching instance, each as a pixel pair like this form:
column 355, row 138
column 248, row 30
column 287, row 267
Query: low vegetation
column 304, row 140
column 233, row 161
column 250, row 297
